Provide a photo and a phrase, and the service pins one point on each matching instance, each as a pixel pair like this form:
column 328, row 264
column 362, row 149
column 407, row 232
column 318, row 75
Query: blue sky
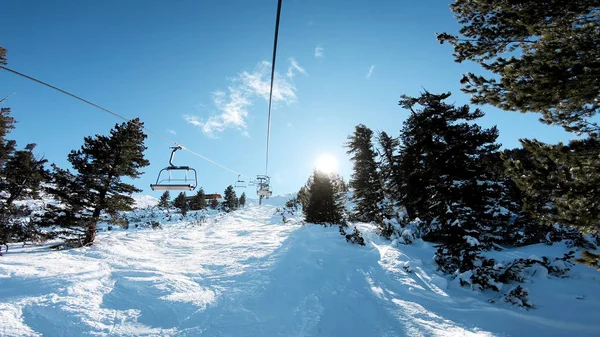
column 197, row 72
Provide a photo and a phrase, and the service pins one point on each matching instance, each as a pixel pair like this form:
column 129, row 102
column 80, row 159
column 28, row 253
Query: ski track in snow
column 247, row 274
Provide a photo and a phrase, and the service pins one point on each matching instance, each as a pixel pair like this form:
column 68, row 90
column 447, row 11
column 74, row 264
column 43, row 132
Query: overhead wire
column 272, row 80
column 118, row 116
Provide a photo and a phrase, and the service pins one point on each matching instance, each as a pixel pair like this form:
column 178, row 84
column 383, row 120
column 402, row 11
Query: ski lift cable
column 118, row 116
column 272, row 80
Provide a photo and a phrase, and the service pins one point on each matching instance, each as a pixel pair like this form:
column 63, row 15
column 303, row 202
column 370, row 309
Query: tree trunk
column 90, row 232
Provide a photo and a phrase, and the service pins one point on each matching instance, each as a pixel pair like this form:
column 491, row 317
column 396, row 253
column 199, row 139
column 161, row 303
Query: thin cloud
column 233, row 105
column 319, row 52
column 171, row 131
column 295, row 67
column 370, row 72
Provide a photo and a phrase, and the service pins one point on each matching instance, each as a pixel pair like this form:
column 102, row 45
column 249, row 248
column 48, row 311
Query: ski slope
column 248, row 274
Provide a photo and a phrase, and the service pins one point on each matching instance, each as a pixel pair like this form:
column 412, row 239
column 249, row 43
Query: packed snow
column 247, row 273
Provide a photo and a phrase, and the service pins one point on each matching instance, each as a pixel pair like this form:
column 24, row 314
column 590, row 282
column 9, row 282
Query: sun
column 326, row 163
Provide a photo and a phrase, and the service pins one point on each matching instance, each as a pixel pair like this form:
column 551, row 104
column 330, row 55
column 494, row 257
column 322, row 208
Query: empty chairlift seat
column 169, row 178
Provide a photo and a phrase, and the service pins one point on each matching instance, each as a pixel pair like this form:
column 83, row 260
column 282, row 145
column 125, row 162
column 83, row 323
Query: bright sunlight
column 326, row 163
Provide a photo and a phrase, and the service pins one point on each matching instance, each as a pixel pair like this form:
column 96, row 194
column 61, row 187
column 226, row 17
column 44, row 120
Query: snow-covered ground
column 248, row 274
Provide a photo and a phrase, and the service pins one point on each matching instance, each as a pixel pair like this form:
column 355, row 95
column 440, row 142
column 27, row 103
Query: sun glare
column 326, row 163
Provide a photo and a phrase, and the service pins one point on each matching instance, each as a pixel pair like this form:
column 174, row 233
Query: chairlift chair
column 175, row 184
column 263, row 188
column 239, row 183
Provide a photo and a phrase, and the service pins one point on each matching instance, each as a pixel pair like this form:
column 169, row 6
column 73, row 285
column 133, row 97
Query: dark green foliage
column 368, row 194
column 12, row 227
column 545, row 54
column 181, row 203
column 303, row 196
column 230, row 200
column 445, row 179
column 7, row 123
column 388, row 164
column 521, row 228
column 198, row 201
column 243, row 199
column 555, row 71
column 214, row 203
column 443, row 160
column 96, row 185
column 323, row 199
column 519, row 296
column 560, row 182
column 292, row 204
column 22, row 175
column 355, row 237
column 164, row 200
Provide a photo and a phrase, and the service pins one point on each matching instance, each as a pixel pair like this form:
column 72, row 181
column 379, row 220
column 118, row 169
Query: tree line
column 447, row 172
column 199, row 201
column 91, row 191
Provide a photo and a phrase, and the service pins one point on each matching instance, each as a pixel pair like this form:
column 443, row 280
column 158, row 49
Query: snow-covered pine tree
column 553, row 70
column 391, row 178
column 165, row 200
column 388, row 165
column 522, row 228
column 322, row 202
column 243, row 199
column 368, row 193
column 198, row 201
column 97, row 186
column 7, row 123
column 180, row 202
column 230, row 201
column 21, row 175
column 445, row 182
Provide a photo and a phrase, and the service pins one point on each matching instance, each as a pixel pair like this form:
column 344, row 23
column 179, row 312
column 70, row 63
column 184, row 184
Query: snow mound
column 144, row 201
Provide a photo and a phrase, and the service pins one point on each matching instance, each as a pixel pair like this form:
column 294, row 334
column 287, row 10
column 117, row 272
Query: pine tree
column 164, row 200
column 446, row 183
column 22, row 175
column 198, row 202
column 7, row 123
column 560, row 182
column 181, row 203
column 214, row 203
column 230, row 201
column 365, row 180
column 553, row 68
column 96, row 185
column 323, row 204
column 390, row 175
column 243, row 199
column 556, row 73
column 388, row 165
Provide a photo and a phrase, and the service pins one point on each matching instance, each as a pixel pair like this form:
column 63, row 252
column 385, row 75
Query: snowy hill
column 248, row 274
column 145, row 201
